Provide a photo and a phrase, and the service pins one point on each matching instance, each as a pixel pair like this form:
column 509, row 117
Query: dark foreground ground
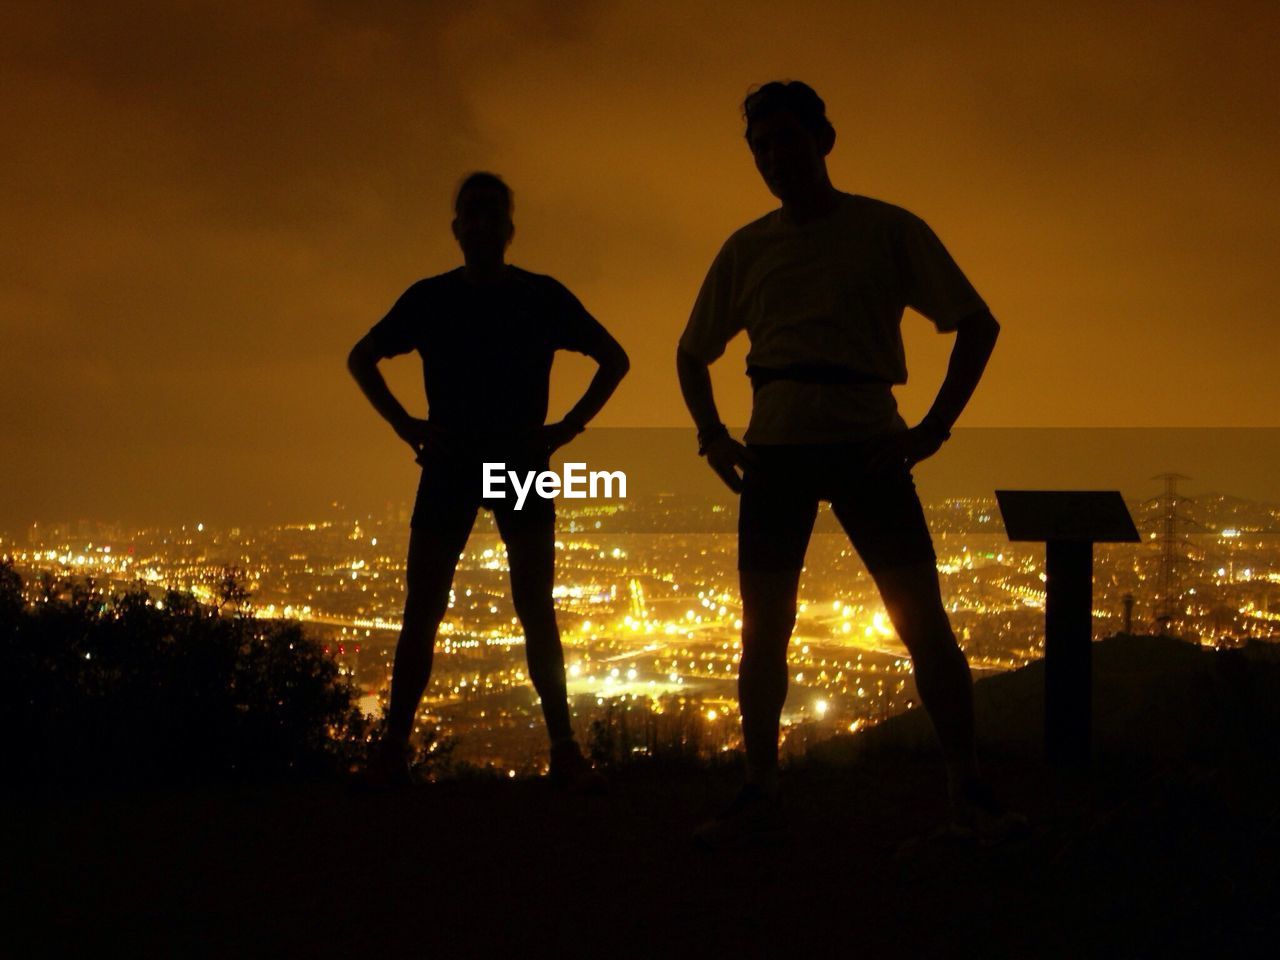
column 1169, row 846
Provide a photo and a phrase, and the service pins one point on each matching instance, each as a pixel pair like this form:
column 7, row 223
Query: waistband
column 808, row 373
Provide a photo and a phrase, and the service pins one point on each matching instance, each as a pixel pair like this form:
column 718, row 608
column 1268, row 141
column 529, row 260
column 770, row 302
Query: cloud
column 205, row 204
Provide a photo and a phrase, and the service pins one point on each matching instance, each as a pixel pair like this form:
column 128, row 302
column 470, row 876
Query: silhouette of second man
column 487, row 333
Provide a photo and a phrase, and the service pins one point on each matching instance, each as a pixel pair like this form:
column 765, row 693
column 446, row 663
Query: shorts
column 450, row 494
column 880, row 510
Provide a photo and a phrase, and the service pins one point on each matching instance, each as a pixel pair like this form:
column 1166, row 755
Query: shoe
column 571, row 771
column 752, row 815
column 978, row 817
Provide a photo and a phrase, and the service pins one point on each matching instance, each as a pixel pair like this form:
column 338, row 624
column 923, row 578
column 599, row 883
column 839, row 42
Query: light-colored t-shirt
column 830, row 292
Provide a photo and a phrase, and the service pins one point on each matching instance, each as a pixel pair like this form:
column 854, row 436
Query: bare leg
column 530, row 543
column 768, row 616
column 913, row 599
column 429, row 574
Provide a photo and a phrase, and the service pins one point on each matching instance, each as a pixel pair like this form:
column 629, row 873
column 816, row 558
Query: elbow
column 982, row 326
column 613, row 360
column 686, row 361
column 691, row 371
column 359, row 360
column 993, row 331
column 621, row 363
column 988, row 323
column 990, row 332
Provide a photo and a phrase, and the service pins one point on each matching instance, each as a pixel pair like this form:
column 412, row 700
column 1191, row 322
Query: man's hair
column 788, row 96
column 480, row 180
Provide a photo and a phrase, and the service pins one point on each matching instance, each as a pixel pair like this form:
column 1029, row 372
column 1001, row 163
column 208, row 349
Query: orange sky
column 204, row 208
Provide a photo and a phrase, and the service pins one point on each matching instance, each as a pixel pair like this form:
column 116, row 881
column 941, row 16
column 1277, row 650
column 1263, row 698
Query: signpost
column 1069, row 523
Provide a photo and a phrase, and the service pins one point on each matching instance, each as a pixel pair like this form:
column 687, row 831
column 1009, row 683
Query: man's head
column 482, row 217
column 789, row 136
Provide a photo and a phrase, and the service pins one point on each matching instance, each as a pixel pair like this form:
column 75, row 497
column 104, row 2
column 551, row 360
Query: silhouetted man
column 820, row 286
column 486, row 332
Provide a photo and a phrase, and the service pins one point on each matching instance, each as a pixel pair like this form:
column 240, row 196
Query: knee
column 765, row 650
column 537, row 616
column 424, row 609
column 933, row 647
column 926, row 623
column 765, row 625
column 531, row 587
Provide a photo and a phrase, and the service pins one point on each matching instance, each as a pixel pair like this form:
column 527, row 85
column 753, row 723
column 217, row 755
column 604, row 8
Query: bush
column 126, row 689
column 676, row 733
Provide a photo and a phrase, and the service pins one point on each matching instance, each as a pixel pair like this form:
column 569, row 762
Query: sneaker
column 571, row 771
column 978, row 817
column 752, row 814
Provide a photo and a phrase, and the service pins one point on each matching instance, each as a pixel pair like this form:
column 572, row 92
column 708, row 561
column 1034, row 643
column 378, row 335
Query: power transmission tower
column 1172, row 550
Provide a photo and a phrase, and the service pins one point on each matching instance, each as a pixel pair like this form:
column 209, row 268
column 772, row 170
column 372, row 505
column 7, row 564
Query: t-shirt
column 487, row 348
column 830, row 292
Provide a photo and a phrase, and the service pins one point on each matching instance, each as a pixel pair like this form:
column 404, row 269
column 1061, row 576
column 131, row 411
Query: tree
column 122, row 688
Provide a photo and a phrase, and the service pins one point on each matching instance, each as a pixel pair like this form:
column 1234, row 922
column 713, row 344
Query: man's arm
column 363, row 364
column 975, row 340
column 723, row 453
column 612, row 365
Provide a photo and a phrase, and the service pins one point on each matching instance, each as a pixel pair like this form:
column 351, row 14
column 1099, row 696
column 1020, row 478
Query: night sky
column 206, row 204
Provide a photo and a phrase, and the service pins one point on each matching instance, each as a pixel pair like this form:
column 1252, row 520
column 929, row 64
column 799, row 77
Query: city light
column 651, row 623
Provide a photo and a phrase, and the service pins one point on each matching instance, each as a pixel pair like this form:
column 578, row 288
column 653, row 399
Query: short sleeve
column 935, row 286
column 713, row 321
column 573, row 327
column 397, row 332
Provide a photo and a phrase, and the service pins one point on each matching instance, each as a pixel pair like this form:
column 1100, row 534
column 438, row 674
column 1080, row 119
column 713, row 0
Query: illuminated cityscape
column 649, row 611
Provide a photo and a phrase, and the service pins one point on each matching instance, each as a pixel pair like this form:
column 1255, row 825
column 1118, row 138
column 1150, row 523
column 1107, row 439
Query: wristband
column 707, row 437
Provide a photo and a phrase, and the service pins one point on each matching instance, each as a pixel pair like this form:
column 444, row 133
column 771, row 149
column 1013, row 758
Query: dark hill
column 1168, row 848
column 1154, row 698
